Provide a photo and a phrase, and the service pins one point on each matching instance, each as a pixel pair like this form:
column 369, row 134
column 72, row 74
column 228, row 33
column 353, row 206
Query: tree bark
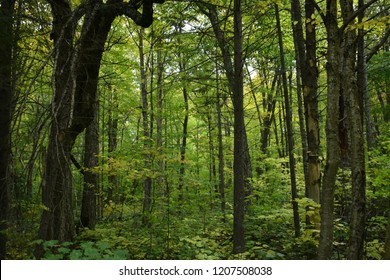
column 147, row 183
column 221, row 160
column 112, row 130
column 354, row 121
column 6, row 96
column 91, row 177
column 387, row 242
column 332, row 132
column 290, row 136
column 307, row 64
column 239, row 130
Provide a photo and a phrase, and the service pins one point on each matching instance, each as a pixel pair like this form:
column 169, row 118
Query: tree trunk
column 354, row 121
column 307, row 64
column 270, row 103
column 310, row 86
column 221, row 160
column 332, row 132
column 6, row 95
column 239, row 130
column 147, row 183
column 387, row 242
column 290, row 136
column 112, row 142
column 91, row 177
column 183, row 145
column 159, row 116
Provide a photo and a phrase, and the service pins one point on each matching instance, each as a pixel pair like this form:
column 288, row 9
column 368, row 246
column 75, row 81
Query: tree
column 239, row 134
column 334, row 50
column 342, row 86
column 307, row 67
column 91, row 177
column 6, row 99
column 233, row 66
column 75, row 83
column 290, row 137
column 387, row 241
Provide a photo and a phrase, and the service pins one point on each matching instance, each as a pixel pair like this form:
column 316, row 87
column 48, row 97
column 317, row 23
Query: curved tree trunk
column 75, row 87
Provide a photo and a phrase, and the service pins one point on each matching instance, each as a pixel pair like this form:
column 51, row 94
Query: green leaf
column 76, row 255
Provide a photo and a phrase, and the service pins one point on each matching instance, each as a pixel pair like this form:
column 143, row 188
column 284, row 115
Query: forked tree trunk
column 76, row 73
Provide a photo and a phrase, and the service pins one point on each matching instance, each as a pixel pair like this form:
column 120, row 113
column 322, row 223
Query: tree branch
column 130, row 9
column 77, row 164
column 376, row 48
column 356, row 14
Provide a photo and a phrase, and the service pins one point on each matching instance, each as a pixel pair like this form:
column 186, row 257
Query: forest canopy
column 186, row 129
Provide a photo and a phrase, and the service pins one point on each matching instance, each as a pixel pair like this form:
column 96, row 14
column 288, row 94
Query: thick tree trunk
column 6, row 43
column 311, row 107
column 307, row 64
column 332, row 132
column 239, row 130
column 75, row 86
column 354, row 121
column 91, row 177
column 57, row 216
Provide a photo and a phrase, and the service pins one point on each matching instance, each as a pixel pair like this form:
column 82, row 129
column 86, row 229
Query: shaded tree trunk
column 387, row 242
column 112, row 141
column 6, row 95
column 307, row 65
column 354, row 120
column 239, row 130
column 91, row 177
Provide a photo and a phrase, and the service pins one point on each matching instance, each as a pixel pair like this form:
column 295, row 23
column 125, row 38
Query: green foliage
column 82, row 250
column 194, row 227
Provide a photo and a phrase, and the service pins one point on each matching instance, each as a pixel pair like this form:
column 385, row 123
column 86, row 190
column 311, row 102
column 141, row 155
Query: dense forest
column 189, row 129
